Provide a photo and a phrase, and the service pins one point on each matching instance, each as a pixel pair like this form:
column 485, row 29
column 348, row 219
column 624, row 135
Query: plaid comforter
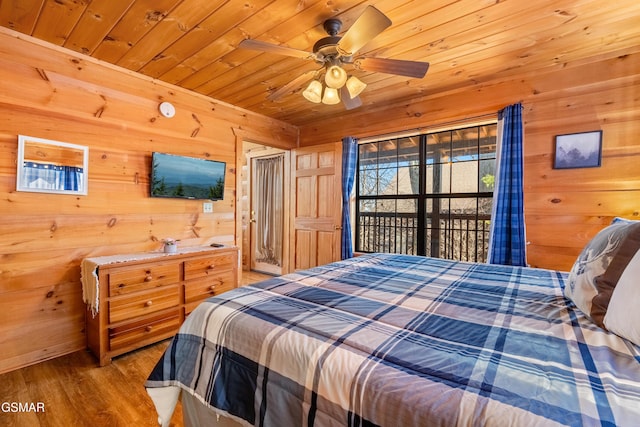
column 396, row 340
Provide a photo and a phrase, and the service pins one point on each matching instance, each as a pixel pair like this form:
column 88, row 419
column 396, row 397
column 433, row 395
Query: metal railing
column 456, row 236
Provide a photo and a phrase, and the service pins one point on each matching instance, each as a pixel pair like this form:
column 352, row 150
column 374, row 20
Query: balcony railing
column 456, row 236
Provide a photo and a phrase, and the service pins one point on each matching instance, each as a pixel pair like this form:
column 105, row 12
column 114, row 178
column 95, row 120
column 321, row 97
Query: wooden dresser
column 144, row 298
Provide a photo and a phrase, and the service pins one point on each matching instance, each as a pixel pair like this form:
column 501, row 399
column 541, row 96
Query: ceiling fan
column 332, row 53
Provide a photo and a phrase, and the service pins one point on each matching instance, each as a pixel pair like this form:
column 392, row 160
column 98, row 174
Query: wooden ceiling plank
column 182, row 19
column 299, row 31
column 206, row 32
column 408, row 22
column 231, row 59
column 303, row 29
column 468, row 31
column 228, row 86
column 316, row 14
column 141, row 17
column 206, row 59
column 194, row 71
column 493, row 48
column 57, row 19
column 549, row 19
column 95, row 23
column 484, row 42
column 20, row 16
column 510, row 62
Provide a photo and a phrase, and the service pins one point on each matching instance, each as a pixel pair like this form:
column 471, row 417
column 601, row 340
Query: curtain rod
column 468, row 121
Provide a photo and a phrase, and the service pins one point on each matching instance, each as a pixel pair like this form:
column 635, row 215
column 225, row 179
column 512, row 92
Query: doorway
column 267, row 214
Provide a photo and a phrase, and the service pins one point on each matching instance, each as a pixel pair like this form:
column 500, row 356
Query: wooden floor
column 74, row 391
column 249, row 277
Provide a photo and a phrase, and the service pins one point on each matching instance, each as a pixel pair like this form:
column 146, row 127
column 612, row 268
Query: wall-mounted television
column 186, row 177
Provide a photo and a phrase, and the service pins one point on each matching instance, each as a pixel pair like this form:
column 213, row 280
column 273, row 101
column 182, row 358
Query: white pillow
column 623, row 316
column 592, row 262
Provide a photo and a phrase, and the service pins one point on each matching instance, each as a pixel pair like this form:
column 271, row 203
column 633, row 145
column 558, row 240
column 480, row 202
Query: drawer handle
column 211, row 266
column 212, row 288
column 148, row 328
column 148, row 278
column 148, row 303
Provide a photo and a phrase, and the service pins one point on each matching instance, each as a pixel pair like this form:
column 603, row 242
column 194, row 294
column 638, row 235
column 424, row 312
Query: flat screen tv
column 186, row 177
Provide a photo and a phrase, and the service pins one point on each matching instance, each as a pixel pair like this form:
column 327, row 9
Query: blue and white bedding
column 397, row 340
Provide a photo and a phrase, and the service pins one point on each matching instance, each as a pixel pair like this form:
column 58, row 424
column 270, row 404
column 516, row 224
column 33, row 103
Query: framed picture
column 578, row 150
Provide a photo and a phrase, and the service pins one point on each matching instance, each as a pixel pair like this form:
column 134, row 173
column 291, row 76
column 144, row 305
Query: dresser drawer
column 134, row 305
column 207, row 266
column 137, row 278
column 206, row 287
column 152, row 328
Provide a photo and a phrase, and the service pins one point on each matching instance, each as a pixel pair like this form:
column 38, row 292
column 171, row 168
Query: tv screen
column 186, row 177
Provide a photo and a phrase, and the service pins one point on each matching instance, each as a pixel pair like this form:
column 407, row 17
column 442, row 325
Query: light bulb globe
column 355, row 86
column 335, row 77
column 331, row 96
column 313, row 92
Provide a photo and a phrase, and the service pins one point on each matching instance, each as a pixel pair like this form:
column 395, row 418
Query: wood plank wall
column 52, row 93
column 563, row 208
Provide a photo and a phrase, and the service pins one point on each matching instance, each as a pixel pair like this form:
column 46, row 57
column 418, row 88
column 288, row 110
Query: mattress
column 399, row 340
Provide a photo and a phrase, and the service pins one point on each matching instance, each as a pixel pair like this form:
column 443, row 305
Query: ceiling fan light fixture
column 335, row 77
column 313, row 92
column 334, row 52
column 331, row 96
column 355, row 86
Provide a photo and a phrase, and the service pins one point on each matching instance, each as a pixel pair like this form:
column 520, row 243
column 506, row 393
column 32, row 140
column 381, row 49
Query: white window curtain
column 269, row 216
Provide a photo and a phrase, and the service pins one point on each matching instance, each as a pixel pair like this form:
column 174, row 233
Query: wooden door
column 317, row 205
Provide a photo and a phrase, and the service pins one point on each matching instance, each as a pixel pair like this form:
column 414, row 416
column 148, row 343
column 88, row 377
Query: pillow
column 623, row 316
column 624, row 220
column 592, row 262
column 607, row 282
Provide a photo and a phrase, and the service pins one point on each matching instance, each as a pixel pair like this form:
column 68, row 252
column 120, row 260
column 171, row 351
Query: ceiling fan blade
column 349, row 103
column 292, row 85
column 368, row 25
column 274, row 48
column 413, row 69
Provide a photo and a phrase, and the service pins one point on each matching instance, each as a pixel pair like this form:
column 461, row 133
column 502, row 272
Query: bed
column 399, row 340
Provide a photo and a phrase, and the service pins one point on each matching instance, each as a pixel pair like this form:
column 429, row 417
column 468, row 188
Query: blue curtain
column 51, row 177
column 349, row 159
column 507, row 242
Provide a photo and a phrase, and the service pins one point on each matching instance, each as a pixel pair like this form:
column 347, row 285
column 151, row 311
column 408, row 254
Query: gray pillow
column 593, row 262
column 607, row 282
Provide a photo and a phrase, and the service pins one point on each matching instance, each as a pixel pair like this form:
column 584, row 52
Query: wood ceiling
column 194, row 43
